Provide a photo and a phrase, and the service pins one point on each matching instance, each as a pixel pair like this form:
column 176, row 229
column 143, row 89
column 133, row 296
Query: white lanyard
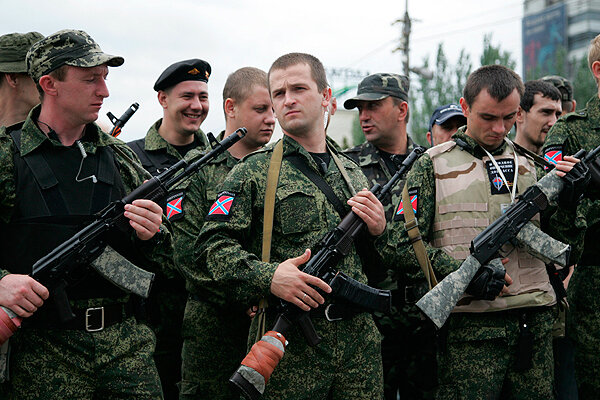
column 513, row 194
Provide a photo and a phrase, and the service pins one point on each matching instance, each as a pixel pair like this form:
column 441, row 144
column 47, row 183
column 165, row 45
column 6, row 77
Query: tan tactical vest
column 465, row 206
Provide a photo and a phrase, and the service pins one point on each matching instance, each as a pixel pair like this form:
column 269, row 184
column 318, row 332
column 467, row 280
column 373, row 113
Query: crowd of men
column 228, row 245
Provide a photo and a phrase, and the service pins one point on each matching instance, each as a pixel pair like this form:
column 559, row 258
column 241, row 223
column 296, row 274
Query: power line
column 461, row 30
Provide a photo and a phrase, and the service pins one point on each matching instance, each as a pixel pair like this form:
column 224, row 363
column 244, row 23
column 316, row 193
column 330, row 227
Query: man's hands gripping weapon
column 252, row 376
column 88, row 247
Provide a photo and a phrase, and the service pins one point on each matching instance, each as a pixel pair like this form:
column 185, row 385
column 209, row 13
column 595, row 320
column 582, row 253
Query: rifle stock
column 439, row 302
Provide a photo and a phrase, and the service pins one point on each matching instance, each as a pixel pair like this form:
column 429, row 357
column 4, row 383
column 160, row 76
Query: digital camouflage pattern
column 470, row 344
column 347, row 364
column 120, row 271
column 13, row 49
column 57, row 365
column 67, row 47
column 215, row 329
column 136, row 343
column 480, row 353
column 575, row 131
column 167, row 300
column 407, row 346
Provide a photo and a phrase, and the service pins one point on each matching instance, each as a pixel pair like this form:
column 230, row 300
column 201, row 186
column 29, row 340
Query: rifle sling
column 320, row 182
column 412, row 228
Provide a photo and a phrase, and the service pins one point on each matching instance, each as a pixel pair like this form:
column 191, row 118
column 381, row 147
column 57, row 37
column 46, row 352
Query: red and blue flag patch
column 414, row 196
column 553, row 154
column 221, row 208
column 174, row 208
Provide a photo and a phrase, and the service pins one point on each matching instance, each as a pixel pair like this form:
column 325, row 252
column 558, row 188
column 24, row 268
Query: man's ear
column 48, row 85
column 464, row 106
column 520, row 115
column 162, row 98
column 326, row 97
column 229, row 107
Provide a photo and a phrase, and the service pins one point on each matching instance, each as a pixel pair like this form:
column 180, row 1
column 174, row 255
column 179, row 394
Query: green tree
column 495, row 55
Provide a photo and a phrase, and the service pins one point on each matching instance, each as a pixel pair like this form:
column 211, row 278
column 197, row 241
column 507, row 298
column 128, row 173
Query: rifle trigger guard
column 330, row 319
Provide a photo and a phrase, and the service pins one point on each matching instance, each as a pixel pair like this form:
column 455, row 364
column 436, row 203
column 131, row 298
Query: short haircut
column 567, row 106
column 1, row 78
column 546, row 89
column 316, row 67
column 594, row 52
column 239, row 83
column 59, row 74
column 498, row 80
column 397, row 101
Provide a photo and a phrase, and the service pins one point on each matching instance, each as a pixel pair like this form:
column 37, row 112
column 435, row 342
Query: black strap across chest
column 321, row 183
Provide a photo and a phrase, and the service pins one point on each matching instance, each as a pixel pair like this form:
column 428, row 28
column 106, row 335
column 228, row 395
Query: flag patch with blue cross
column 221, row 208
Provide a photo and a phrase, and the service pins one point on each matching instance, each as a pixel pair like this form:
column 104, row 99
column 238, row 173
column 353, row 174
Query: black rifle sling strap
column 539, row 160
column 321, row 183
column 412, row 228
column 268, row 215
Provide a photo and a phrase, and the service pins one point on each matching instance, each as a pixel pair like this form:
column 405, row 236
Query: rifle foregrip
column 256, row 369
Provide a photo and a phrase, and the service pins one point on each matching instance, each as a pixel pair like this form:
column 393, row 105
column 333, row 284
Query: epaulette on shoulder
column 576, row 115
column 441, row 148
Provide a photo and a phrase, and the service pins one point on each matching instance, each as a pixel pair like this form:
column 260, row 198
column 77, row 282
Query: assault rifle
column 58, row 269
column 252, row 376
column 118, row 123
column 513, row 226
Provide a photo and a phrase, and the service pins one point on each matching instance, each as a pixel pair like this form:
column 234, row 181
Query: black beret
column 188, row 70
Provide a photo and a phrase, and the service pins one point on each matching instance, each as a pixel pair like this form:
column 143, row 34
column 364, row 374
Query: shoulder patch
column 221, row 208
column 553, row 153
column 174, row 209
column 414, row 199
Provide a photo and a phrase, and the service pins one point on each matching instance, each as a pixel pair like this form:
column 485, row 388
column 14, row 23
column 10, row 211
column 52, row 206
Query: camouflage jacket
column 421, row 178
column 572, row 132
column 153, row 143
column 368, row 158
column 230, row 242
column 199, row 192
column 158, row 257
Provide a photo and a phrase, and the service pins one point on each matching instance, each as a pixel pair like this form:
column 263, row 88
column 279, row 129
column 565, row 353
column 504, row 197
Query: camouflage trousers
column 584, row 328
column 408, row 353
column 165, row 309
column 479, row 357
column 345, row 365
column 215, row 339
column 115, row 363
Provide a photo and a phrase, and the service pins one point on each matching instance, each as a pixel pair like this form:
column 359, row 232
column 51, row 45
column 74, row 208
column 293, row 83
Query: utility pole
column 404, row 46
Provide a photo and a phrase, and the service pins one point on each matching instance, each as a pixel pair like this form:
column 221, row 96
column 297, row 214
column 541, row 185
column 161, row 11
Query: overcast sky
column 229, row 34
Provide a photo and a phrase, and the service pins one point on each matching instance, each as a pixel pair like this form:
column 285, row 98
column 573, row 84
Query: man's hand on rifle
column 565, row 165
column 145, row 217
column 370, row 210
column 22, row 294
column 295, row 286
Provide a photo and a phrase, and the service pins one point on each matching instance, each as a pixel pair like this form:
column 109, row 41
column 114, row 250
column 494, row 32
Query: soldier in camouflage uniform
column 103, row 352
column 215, row 329
column 18, row 94
column 183, row 94
column 408, row 344
column 497, row 343
column 575, row 131
column 347, row 363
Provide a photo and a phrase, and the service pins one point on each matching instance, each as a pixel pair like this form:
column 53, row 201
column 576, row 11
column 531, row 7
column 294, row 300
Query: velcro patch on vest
column 221, row 208
column 496, row 182
column 175, row 206
column 553, row 154
column 414, row 196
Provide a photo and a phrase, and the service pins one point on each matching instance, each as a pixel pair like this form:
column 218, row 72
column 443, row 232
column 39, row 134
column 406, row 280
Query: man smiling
column 183, row 94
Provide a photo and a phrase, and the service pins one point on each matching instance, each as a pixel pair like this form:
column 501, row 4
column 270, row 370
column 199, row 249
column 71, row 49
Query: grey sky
column 229, row 34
